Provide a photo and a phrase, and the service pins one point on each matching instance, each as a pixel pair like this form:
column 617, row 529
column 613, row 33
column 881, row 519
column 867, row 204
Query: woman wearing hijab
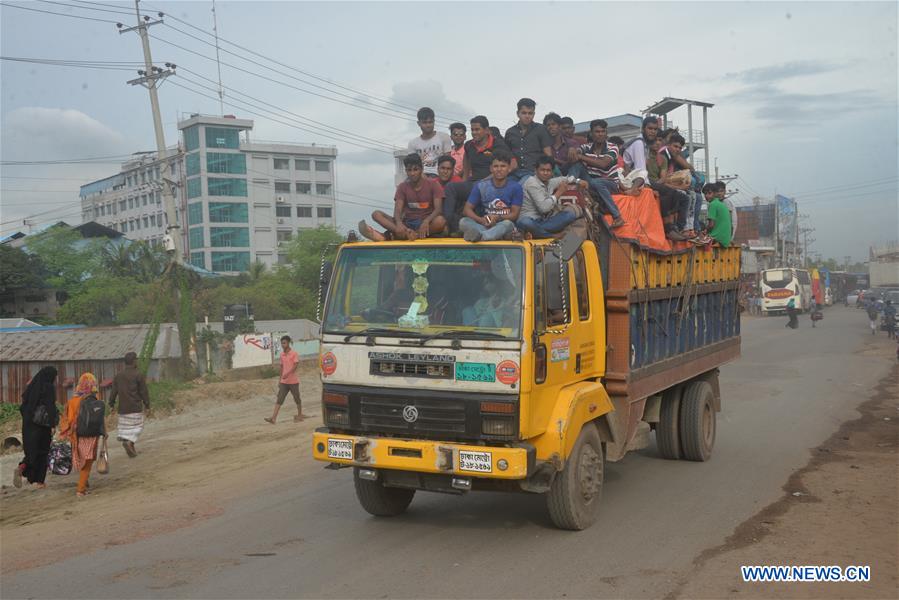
column 39, row 397
column 84, row 449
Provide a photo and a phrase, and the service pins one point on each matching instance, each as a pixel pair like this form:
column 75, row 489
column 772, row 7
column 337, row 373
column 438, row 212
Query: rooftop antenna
column 218, row 61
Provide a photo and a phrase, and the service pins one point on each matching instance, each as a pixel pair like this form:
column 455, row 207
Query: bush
column 162, row 393
column 8, row 412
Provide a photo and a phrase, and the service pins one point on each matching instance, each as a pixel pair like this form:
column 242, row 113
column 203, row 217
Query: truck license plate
column 479, row 462
column 467, row 371
column 340, row 449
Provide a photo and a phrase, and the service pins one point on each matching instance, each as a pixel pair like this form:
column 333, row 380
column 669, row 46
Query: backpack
column 91, row 416
column 60, row 459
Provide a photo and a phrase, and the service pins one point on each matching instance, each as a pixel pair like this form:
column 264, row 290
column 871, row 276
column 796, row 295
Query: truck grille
column 412, row 369
column 434, row 416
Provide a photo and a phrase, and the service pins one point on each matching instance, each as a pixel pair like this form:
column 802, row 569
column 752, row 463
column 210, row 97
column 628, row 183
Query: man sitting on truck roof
column 674, row 201
column 458, row 131
column 598, row 164
column 564, row 148
column 718, row 217
column 446, row 169
column 542, row 214
column 475, row 166
column 417, row 211
column 568, row 131
column 498, row 197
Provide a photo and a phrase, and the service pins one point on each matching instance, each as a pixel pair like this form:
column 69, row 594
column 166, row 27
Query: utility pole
column 805, row 242
column 848, row 258
column 218, row 60
column 151, row 77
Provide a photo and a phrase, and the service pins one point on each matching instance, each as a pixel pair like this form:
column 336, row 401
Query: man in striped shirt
column 598, row 165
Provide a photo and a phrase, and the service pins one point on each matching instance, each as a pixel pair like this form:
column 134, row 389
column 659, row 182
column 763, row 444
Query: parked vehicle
column 524, row 366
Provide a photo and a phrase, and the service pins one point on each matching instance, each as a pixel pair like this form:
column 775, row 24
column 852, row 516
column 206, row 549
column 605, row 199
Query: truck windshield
column 426, row 290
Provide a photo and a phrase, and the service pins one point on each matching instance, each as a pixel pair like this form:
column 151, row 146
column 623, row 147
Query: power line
column 69, row 161
column 50, row 12
column 325, row 80
column 106, row 10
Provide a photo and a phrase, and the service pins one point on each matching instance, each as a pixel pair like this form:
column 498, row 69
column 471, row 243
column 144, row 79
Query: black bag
column 42, row 417
column 91, row 415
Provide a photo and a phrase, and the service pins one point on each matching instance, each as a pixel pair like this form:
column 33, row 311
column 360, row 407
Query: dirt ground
column 841, row 509
column 190, row 464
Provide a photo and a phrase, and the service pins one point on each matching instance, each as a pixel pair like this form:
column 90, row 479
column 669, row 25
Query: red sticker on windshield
column 507, row 372
column 328, row 363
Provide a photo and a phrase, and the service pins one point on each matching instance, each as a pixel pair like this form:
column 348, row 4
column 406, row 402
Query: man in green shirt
column 718, row 216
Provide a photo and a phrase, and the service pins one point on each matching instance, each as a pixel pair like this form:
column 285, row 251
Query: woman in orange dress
column 84, row 449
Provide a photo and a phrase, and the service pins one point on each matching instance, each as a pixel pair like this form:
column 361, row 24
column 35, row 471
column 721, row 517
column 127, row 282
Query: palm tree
column 257, row 270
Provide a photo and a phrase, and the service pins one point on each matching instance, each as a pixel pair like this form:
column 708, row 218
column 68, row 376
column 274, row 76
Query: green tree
column 304, row 253
column 19, row 270
column 70, row 259
column 98, row 301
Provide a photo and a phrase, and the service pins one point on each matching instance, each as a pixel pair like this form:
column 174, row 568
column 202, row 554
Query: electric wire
column 50, row 12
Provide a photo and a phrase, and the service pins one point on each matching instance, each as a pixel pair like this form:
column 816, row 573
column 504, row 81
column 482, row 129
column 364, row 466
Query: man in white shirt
column 430, row 145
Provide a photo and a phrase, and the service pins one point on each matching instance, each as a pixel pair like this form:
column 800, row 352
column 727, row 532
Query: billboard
column 788, row 218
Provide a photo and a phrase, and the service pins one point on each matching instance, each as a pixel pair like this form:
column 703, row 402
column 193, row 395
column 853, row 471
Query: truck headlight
column 337, row 416
column 498, row 426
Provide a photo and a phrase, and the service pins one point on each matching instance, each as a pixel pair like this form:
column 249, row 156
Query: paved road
column 304, row 534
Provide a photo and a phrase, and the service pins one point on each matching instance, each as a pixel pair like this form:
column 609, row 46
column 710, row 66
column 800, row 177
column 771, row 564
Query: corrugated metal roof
column 90, row 343
column 17, row 322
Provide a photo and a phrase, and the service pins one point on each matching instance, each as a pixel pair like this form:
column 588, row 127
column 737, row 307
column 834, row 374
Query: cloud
column 37, row 133
column 782, row 71
column 777, row 106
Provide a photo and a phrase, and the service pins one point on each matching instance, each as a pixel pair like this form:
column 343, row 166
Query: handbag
column 103, row 459
column 42, row 417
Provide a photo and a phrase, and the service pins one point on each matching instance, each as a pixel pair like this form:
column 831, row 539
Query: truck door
column 555, row 334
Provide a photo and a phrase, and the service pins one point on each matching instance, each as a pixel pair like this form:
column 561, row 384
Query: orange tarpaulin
column 643, row 223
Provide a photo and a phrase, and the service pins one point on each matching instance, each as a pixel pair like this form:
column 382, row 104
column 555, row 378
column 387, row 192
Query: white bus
column 777, row 286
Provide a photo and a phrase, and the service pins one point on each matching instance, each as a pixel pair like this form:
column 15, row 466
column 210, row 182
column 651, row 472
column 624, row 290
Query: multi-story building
column 131, row 201
column 241, row 200
column 245, row 199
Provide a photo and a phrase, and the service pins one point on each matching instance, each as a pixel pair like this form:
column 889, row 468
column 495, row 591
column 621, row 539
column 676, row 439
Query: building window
column 143, row 177
column 192, row 164
column 198, row 259
column 194, row 187
column 282, row 187
column 228, row 212
column 302, row 164
column 304, row 212
column 195, row 237
column 153, row 220
column 323, row 166
column 304, row 188
column 322, row 189
column 219, row 162
column 282, row 211
column 128, row 181
column 122, row 205
column 143, row 199
column 323, row 212
column 156, row 173
column 130, row 203
column 230, row 261
column 284, row 236
column 226, row 187
column 102, row 211
column 194, row 213
column 282, row 164
column 226, row 237
column 222, row 137
column 146, row 221
column 137, row 223
column 158, row 197
column 191, row 138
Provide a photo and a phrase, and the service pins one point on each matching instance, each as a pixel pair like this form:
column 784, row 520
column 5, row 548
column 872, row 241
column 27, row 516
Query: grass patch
column 8, row 413
column 162, row 393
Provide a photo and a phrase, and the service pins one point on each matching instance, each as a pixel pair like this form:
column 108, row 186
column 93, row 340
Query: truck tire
column 574, row 496
column 668, row 429
column 379, row 500
column 697, row 421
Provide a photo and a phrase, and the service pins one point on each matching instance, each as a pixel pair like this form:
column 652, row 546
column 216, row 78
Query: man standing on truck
column 430, row 145
column 499, row 198
column 289, row 381
column 527, row 141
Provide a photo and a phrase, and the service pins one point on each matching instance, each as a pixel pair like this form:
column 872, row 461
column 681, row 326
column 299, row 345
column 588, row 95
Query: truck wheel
column 697, row 421
column 668, row 429
column 379, row 500
column 573, row 499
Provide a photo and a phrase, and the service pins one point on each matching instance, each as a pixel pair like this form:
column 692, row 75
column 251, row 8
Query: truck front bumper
column 423, row 456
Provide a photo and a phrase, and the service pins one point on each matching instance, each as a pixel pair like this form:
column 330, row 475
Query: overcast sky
column 805, row 93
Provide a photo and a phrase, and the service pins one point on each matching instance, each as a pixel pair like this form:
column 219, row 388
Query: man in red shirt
column 417, row 211
column 458, row 132
column 446, row 171
column 289, row 381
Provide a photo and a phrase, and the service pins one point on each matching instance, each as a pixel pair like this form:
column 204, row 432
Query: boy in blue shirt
column 498, row 198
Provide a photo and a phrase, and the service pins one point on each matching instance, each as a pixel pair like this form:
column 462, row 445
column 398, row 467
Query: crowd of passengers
column 519, row 185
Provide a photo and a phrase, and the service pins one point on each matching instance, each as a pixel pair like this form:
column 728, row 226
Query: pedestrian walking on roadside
column 813, row 310
column 289, row 381
column 793, row 323
column 889, row 317
column 130, row 388
column 84, row 426
column 39, row 418
column 872, row 317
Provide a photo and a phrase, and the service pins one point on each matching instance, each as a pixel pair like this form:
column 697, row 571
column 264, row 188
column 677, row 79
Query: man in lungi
column 130, row 387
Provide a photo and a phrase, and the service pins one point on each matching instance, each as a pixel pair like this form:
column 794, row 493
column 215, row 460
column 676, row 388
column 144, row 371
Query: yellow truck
column 451, row 366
